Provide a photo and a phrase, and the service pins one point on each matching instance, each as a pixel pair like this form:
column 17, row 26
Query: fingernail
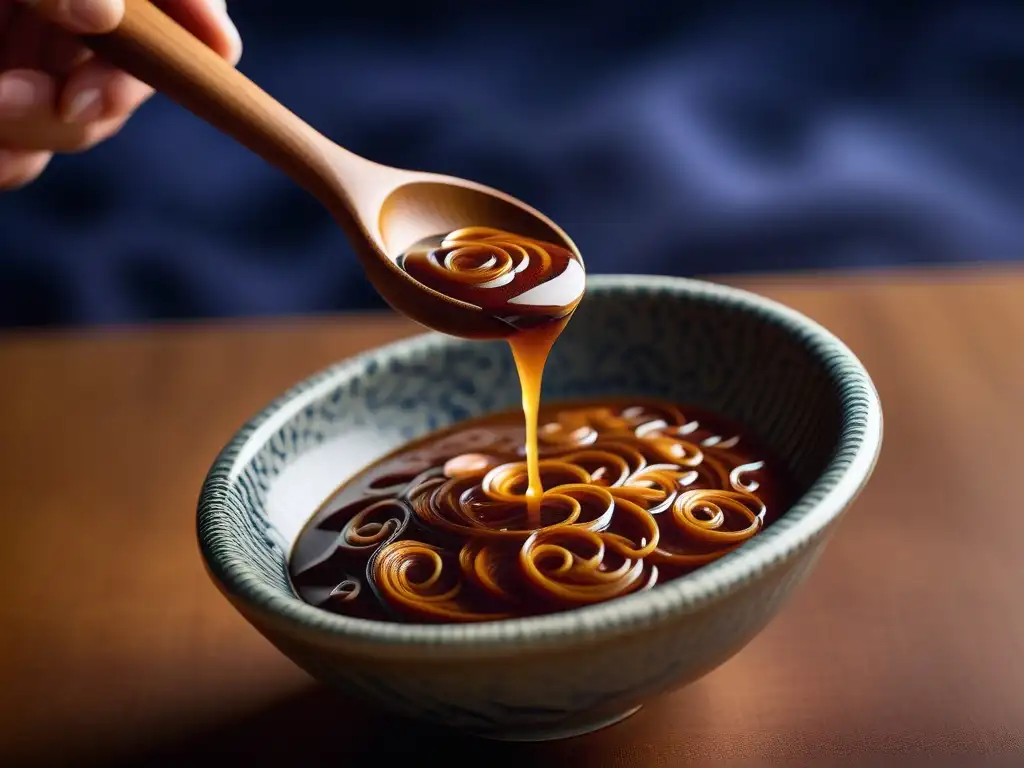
column 18, row 95
column 220, row 9
column 90, row 15
column 85, row 106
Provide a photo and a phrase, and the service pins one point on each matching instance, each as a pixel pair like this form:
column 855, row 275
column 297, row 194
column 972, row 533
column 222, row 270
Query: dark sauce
column 443, row 530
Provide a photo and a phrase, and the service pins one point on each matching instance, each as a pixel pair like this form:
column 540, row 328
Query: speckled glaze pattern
column 763, row 365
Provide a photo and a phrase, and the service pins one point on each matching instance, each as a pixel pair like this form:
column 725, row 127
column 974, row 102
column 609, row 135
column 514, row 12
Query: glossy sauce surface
column 634, row 493
column 520, row 280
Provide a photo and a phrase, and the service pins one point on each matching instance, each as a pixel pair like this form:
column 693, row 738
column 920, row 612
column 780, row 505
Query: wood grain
column 904, row 647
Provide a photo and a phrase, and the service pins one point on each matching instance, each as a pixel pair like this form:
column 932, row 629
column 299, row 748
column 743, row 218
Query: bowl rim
column 832, row 492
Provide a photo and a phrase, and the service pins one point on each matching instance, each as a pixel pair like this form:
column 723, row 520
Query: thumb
column 80, row 16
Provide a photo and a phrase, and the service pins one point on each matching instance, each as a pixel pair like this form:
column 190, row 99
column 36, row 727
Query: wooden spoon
column 383, row 210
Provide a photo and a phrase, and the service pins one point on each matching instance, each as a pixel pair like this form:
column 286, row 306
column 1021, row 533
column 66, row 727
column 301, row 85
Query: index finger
column 80, row 16
column 208, row 20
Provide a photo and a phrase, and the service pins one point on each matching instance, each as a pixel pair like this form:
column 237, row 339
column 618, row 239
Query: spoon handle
column 157, row 50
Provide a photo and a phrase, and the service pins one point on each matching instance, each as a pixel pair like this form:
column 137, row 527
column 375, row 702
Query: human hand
column 56, row 96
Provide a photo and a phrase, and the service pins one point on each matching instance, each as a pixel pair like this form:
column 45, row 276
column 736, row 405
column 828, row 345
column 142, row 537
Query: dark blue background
column 665, row 137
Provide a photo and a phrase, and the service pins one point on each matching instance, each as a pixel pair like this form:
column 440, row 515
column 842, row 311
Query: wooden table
column 907, row 643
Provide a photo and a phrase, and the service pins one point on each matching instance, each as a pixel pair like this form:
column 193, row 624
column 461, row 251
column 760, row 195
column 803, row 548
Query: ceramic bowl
column 791, row 382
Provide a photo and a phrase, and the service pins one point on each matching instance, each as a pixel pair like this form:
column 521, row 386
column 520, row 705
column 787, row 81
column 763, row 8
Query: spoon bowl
column 434, row 205
column 383, row 210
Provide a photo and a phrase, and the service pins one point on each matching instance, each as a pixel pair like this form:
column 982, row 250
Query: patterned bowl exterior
column 761, row 364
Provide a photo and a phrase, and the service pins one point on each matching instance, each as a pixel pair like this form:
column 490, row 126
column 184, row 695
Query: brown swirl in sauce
column 443, row 531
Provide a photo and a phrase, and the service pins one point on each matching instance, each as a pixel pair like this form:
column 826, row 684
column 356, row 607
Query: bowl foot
column 566, row 729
